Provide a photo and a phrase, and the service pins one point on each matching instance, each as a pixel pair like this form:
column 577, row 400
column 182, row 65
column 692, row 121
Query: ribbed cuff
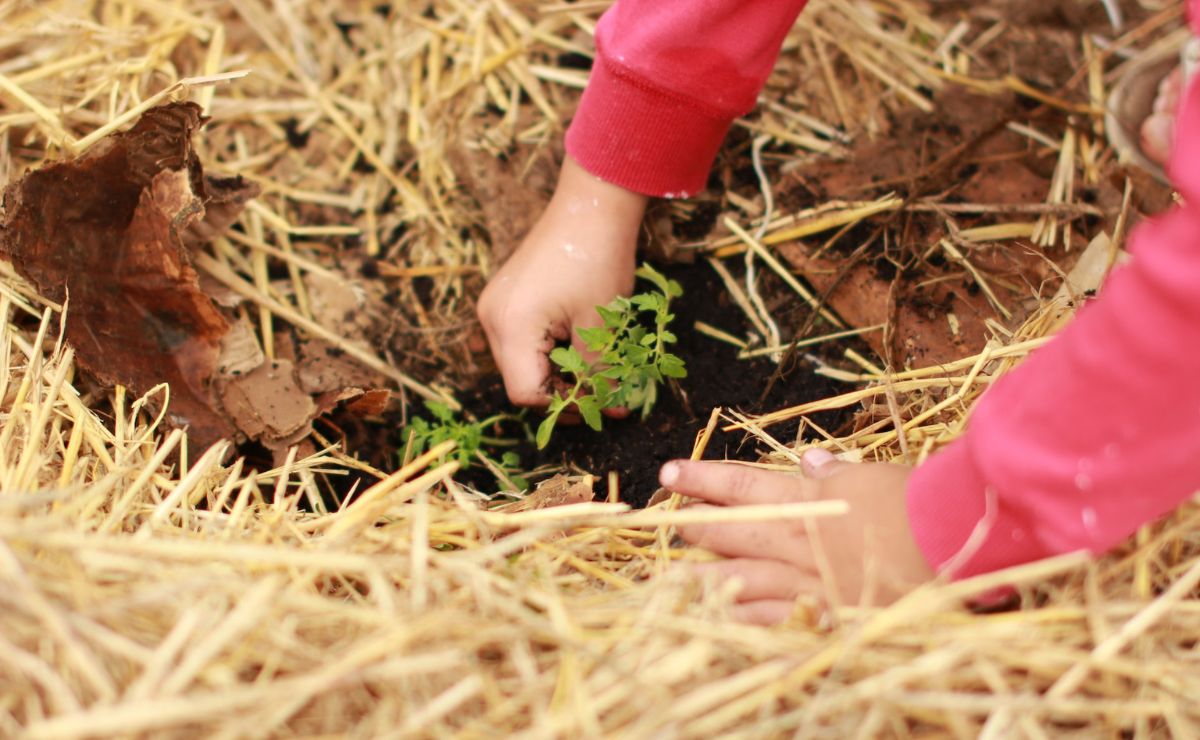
column 648, row 140
column 948, row 501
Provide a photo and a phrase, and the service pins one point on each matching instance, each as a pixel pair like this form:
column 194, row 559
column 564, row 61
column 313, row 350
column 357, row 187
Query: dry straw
column 148, row 591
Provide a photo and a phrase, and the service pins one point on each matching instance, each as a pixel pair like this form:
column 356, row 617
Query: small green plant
column 632, row 357
column 472, row 442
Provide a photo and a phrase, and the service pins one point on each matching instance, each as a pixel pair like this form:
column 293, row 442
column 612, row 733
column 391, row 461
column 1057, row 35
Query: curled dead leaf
column 269, row 405
column 106, row 231
column 110, row 234
column 561, row 490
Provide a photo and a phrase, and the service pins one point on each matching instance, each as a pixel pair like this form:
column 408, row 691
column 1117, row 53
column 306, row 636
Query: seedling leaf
column 672, row 366
column 596, row 338
column 569, row 359
column 632, row 359
column 646, row 272
column 545, row 429
column 440, row 411
column 589, row 408
column 611, row 316
column 422, row 435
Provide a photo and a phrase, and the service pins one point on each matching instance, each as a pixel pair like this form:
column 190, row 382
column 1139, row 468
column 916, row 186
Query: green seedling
column 473, row 444
column 632, row 358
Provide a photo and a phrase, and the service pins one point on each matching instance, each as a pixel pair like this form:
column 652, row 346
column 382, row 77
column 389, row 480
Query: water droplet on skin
column 575, row 254
column 1083, row 481
column 595, row 202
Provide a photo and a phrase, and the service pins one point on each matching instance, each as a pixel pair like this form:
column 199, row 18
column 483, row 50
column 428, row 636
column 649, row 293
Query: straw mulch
column 147, row 590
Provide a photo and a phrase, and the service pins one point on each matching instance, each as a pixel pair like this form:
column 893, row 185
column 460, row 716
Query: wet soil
column 635, row 449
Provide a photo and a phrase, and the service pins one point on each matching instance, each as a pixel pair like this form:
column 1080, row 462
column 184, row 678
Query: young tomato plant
column 632, row 357
column 472, row 442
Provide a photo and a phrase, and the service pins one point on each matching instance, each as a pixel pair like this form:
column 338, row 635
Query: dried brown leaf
column 269, row 405
column 561, row 490
column 106, row 231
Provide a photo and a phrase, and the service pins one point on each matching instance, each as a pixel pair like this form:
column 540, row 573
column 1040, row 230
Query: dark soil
column 635, row 449
column 632, row 448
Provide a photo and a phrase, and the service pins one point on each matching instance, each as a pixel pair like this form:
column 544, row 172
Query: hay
column 149, row 592
column 130, row 610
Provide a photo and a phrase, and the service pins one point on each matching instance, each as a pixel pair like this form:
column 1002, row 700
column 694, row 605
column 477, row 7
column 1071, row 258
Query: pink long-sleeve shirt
column 1093, row 436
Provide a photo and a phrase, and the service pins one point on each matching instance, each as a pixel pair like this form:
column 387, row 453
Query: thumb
column 821, row 463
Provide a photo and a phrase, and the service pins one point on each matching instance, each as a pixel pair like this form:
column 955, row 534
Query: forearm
column 669, row 79
column 1099, row 431
column 583, row 197
column 1095, row 435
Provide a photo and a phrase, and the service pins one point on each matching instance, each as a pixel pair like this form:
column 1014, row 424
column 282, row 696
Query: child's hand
column 871, row 555
column 580, row 254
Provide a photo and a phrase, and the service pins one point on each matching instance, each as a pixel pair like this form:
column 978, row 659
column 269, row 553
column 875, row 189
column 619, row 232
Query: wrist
column 587, row 201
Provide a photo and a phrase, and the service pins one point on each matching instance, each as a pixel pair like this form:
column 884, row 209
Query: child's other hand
column 871, row 555
column 580, row 254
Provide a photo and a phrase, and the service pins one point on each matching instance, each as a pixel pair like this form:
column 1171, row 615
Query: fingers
column 762, row 579
column 766, row 612
column 750, row 540
column 769, row 589
column 818, row 463
column 742, row 539
column 733, row 485
column 1158, row 130
column 520, row 348
column 1158, row 133
column 1169, row 92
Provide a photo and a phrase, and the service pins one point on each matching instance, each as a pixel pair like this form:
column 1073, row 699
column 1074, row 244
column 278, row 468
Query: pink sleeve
column 1098, row 432
column 669, row 79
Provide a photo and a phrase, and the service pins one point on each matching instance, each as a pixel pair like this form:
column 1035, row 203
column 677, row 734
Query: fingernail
column 817, row 456
column 669, row 474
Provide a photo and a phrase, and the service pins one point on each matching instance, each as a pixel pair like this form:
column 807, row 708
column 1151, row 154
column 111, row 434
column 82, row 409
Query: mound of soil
column 635, row 449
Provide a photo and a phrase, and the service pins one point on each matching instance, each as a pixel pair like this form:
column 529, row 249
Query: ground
column 945, row 157
column 932, row 167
